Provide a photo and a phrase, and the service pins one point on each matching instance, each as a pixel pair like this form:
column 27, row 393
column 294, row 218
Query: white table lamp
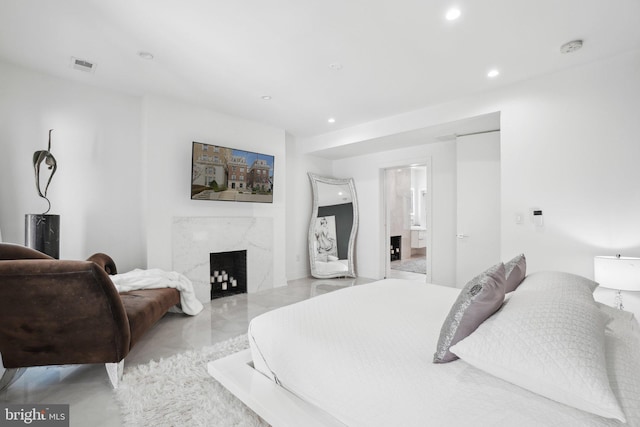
column 619, row 273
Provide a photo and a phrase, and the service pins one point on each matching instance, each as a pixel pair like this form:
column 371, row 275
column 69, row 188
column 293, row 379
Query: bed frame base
column 271, row 402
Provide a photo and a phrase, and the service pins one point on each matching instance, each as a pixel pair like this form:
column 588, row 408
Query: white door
column 478, row 205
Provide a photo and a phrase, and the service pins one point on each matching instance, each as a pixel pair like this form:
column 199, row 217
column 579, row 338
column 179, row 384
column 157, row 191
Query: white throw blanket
column 154, row 279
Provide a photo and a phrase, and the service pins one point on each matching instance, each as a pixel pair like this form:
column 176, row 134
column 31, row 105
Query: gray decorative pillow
column 514, row 271
column 478, row 300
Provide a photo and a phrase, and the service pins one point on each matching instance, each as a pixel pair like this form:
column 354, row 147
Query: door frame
column 385, row 213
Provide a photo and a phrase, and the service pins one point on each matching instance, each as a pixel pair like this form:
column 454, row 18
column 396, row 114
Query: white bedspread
column 154, row 279
column 364, row 355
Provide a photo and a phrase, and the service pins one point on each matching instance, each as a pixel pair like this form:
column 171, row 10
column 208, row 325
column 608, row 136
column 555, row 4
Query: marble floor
column 407, row 275
column 86, row 388
column 415, row 264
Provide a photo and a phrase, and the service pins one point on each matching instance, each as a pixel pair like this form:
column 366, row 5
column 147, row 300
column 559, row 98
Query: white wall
column 419, row 183
column 170, row 127
column 569, row 145
column 298, row 212
column 367, row 172
column 96, row 142
column 123, row 167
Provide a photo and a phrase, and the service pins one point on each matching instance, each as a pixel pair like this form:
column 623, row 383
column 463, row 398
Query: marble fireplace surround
column 194, row 238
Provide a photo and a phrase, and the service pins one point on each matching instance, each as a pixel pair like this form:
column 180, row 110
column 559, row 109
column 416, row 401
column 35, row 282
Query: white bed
column 362, row 356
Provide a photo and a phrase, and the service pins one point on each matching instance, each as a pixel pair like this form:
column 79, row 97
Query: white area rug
column 178, row 391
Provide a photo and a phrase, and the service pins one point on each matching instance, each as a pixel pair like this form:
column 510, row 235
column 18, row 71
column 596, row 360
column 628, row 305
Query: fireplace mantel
column 194, row 238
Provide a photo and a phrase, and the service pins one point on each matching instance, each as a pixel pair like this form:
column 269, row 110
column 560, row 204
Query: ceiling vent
column 571, row 46
column 83, row 65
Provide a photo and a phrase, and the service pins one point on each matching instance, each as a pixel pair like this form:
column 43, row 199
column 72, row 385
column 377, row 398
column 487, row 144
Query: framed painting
column 228, row 174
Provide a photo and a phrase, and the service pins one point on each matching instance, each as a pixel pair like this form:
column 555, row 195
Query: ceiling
column 392, row 56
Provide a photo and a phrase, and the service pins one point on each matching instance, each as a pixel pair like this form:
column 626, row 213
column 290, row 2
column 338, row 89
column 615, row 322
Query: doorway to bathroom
column 408, row 213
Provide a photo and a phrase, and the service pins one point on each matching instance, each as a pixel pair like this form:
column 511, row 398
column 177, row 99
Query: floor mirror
column 333, row 227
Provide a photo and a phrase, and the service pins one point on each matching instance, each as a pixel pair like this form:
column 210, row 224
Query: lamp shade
column 620, row 273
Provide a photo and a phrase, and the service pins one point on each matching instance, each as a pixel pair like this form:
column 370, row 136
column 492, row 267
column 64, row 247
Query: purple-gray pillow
column 515, row 271
column 478, row 300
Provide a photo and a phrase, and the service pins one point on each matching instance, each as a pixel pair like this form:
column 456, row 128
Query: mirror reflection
column 333, row 226
column 323, row 286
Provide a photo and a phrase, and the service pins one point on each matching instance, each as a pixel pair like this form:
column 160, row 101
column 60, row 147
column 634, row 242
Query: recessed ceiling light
column 266, row 97
column 331, row 120
column 493, row 73
column 336, row 66
column 453, row 14
column 145, row 55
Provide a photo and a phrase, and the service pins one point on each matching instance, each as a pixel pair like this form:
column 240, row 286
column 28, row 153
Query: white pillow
column 549, row 338
column 623, row 358
column 558, row 281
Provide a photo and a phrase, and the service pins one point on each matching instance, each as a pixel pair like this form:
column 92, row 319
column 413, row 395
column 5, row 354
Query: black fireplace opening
column 228, row 273
column 396, row 248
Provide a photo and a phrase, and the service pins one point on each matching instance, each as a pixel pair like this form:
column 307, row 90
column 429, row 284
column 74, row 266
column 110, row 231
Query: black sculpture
column 44, row 156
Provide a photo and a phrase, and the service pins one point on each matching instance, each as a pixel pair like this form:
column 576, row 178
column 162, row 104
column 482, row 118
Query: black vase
column 42, row 233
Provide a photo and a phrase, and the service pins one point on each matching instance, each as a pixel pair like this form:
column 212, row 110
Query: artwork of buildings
column 217, row 169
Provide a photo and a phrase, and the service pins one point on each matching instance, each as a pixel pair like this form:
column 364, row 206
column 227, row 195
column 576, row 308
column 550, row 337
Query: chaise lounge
column 59, row 312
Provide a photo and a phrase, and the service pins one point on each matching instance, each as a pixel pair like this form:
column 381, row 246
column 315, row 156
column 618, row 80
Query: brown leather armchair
column 57, row 312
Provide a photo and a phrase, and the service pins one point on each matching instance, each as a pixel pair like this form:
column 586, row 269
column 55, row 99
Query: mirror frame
column 315, row 179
